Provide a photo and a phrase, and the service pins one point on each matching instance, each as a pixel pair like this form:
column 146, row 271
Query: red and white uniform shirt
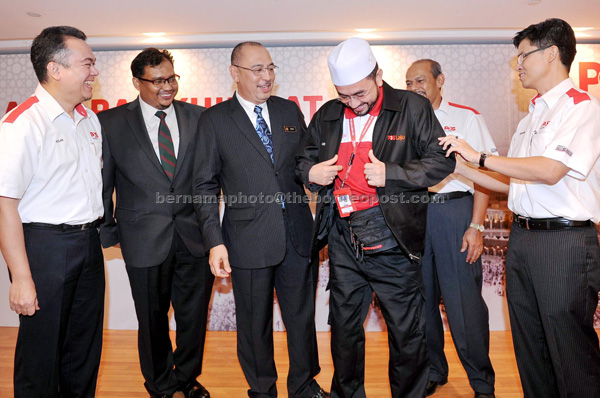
column 52, row 162
column 564, row 125
column 363, row 195
column 468, row 124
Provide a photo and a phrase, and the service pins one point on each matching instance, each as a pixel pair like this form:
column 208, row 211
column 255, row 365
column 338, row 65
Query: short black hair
column 551, row 32
column 237, row 50
column 373, row 74
column 436, row 68
column 149, row 57
column 49, row 46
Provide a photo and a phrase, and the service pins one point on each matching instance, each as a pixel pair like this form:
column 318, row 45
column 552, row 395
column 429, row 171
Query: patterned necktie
column 165, row 146
column 263, row 131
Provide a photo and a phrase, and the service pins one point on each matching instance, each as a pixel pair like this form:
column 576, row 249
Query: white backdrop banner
column 479, row 76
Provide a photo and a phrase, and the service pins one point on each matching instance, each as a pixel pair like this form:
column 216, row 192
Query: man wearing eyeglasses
column 453, row 245
column 246, row 148
column 553, row 259
column 149, row 149
column 376, row 146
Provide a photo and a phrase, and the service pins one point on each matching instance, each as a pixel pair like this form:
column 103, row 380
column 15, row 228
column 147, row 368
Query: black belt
column 549, row 223
column 63, row 227
column 442, row 197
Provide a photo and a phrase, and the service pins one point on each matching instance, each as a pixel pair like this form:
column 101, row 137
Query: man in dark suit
column 148, row 156
column 246, row 147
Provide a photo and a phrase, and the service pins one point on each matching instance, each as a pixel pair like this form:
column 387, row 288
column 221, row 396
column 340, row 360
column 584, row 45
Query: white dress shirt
column 152, row 122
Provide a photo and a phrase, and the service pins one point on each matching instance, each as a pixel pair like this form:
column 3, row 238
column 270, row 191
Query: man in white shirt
column 553, row 260
column 453, row 245
column 50, row 204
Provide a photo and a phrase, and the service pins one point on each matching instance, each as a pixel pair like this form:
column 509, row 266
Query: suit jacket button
column 174, row 216
column 276, row 174
column 172, row 190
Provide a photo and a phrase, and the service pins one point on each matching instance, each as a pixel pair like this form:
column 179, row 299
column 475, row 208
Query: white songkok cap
column 351, row 61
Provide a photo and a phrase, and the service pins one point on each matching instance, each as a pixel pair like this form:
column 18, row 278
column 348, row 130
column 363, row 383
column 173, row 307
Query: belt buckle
column 526, row 221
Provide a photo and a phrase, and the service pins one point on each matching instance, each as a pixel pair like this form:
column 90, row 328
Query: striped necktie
column 262, row 129
column 165, row 146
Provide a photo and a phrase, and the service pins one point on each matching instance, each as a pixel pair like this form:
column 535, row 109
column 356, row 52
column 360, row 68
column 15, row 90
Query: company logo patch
column 449, row 128
column 94, row 135
column 564, row 149
column 396, row 137
column 290, row 129
column 547, row 122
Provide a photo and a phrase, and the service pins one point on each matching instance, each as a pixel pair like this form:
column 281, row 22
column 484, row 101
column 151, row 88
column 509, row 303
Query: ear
column 441, row 79
column 136, row 83
column 379, row 77
column 235, row 73
column 53, row 69
column 553, row 54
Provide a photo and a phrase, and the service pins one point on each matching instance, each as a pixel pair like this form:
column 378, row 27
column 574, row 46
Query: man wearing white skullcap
column 371, row 154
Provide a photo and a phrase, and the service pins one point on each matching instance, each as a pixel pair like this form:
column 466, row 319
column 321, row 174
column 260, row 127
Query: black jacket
column 405, row 138
column 149, row 206
column 230, row 156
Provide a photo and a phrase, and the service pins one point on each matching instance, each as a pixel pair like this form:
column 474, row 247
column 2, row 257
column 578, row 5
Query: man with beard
column 50, row 205
column 374, row 149
column 553, row 259
column 453, row 245
column 148, row 155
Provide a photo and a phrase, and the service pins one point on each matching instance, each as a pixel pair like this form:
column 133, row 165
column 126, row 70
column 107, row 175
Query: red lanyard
column 354, row 143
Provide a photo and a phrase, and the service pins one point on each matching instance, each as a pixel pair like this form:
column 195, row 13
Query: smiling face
column 533, row 69
column 157, row 97
column 77, row 78
column 361, row 96
column 420, row 80
column 252, row 88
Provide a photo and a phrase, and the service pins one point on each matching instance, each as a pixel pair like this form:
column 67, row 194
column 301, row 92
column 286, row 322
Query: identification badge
column 344, row 201
column 290, row 129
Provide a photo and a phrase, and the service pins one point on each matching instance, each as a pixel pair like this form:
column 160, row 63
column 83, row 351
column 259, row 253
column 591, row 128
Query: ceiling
column 121, row 24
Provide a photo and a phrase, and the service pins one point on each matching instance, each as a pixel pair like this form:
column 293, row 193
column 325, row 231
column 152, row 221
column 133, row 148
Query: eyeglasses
column 259, row 70
column 159, row 83
column 522, row 57
column 344, row 99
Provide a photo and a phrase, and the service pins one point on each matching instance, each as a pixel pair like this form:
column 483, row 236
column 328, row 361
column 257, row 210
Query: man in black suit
column 246, row 147
column 149, row 149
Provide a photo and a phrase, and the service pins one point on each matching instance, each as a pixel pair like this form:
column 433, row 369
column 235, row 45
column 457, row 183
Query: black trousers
column 294, row 281
column 398, row 284
column 186, row 282
column 447, row 274
column 552, row 284
column 58, row 348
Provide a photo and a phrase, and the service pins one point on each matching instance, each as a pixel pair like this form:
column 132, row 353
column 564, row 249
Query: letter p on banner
column 589, row 73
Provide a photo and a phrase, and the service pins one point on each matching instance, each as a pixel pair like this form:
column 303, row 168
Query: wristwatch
column 482, row 157
column 478, row 227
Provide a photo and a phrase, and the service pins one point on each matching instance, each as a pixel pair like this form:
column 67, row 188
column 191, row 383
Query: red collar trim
column 81, row 110
column 349, row 113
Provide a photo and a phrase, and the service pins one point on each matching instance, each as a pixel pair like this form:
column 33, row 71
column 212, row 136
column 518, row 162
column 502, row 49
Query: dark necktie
column 263, row 131
column 165, row 146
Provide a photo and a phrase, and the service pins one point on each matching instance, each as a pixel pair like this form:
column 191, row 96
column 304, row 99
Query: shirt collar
column 552, row 96
column 149, row 112
column 444, row 107
column 247, row 105
column 53, row 108
column 349, row 113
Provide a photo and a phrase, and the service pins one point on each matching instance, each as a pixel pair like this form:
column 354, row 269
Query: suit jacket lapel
column 138, row 128
column 276, row 129
column 185, row 133
column 241, row 119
